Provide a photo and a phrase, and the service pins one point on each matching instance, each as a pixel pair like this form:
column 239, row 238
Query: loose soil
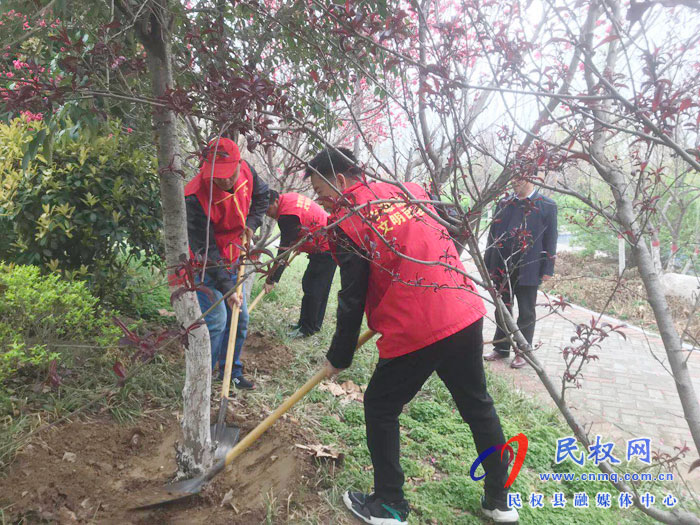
column 590, row 282
column 94, row 471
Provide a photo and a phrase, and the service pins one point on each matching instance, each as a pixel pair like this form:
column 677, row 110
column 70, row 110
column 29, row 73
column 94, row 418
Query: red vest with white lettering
column 411, row 304
column 229, row 210
column 313, row 219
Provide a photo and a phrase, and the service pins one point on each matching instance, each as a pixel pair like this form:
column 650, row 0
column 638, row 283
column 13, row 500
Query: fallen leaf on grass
column 165, row 313
column 322, row 452
column 348, row 390
column 333, row 388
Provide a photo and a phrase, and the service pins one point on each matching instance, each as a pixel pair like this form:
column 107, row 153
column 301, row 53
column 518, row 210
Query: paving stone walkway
column 627, row 393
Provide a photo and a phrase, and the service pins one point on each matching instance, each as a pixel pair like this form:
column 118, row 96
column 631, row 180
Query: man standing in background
column 225, row 203
column 300, row 218
column 522, row 247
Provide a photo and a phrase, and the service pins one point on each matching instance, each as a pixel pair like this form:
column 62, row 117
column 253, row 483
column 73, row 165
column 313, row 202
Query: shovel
column 189, row 487
column 262, row 293
column 226, row 437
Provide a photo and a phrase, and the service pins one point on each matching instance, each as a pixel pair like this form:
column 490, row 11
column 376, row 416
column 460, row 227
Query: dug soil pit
column 95, row 471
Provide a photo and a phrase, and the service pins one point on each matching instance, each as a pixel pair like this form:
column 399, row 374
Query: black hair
column 331, row 161
column 273, row 195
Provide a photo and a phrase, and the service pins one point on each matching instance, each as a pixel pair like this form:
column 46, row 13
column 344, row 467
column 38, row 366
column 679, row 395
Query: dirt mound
column 95, row 471
column 263, row 355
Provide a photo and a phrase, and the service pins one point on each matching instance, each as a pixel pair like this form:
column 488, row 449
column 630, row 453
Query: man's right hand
column 268, row 287
column 235, row 300
column 331, row 370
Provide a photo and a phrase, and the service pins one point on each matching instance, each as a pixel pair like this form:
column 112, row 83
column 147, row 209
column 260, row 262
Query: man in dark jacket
column 225, row 203
column 522, row 247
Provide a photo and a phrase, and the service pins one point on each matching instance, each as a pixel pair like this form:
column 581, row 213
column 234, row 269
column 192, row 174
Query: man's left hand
column 248, row 236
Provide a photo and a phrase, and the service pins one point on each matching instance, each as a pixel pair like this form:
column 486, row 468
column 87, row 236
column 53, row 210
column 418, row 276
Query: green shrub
column 84, row 207
column 143, row 291
column 37, row 310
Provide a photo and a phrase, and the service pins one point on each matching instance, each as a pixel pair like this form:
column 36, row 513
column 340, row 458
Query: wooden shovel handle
column 256, row 300
column 235, row 314
column 262, row 292
column 258, row 431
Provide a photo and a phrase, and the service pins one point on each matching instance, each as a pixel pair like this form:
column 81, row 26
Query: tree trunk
column 676, row 516
column 656, row 252
column 195, row 452
column 649, row 272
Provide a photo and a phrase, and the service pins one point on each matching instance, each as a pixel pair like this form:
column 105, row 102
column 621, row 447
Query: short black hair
column 273, row 195
column 331, row 161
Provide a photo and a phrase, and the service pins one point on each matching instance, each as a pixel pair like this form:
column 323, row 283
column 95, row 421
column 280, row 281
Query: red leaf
column 120, row 371
column 685, row 104
column 607, row 39
column 314, row 75
column 54, row 378
column 115, row 24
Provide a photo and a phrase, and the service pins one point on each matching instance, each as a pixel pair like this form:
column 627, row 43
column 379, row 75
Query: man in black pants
column 299, row 218
column 521, row 250
column 429, row 317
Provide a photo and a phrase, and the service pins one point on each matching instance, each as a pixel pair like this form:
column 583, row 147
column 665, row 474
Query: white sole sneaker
column 500, row 516
column 370, row 520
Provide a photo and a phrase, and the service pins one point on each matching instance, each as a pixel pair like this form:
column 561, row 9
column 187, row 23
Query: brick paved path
column 627, row 393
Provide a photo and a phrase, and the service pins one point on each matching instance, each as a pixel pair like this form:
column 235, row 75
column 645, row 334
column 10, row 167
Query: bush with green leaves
column 84, row 205
column 37, row 311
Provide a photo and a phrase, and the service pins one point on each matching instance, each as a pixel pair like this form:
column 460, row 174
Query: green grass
column 437, row 447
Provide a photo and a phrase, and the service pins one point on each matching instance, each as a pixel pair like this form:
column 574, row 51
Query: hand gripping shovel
column 189, row 487
column 226, row 437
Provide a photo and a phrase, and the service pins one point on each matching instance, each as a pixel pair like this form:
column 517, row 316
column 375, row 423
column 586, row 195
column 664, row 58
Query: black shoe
column 294, row 326
column 242, row 383
column 498, row 511
column 299, row 334
column 374, row 510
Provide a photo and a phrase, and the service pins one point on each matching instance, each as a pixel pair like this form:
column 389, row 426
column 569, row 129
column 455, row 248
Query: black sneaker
column 498, row 510
column 374, row 510
column 242, row 383
column 298, row 334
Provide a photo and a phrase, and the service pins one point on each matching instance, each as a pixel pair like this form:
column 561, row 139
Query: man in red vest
column 223, row 201
column 300, row 218
column 399, row 266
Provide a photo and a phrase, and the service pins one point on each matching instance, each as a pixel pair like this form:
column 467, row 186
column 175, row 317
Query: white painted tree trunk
column 621, row 255
column 195, row 452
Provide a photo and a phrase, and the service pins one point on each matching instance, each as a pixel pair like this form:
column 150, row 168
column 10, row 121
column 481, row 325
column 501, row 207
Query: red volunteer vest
column 411, row 304
column 228, row 209
column 312, row 217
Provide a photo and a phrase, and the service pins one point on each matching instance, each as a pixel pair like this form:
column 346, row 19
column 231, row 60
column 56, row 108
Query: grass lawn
column 437, row 447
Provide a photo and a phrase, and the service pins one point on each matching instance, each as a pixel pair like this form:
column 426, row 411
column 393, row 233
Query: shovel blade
column 180, row 490
column 225, row 439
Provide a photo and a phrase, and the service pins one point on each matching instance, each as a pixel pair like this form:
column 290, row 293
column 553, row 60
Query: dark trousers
column 316, row 285
column 527, row 299
column 457, row 359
